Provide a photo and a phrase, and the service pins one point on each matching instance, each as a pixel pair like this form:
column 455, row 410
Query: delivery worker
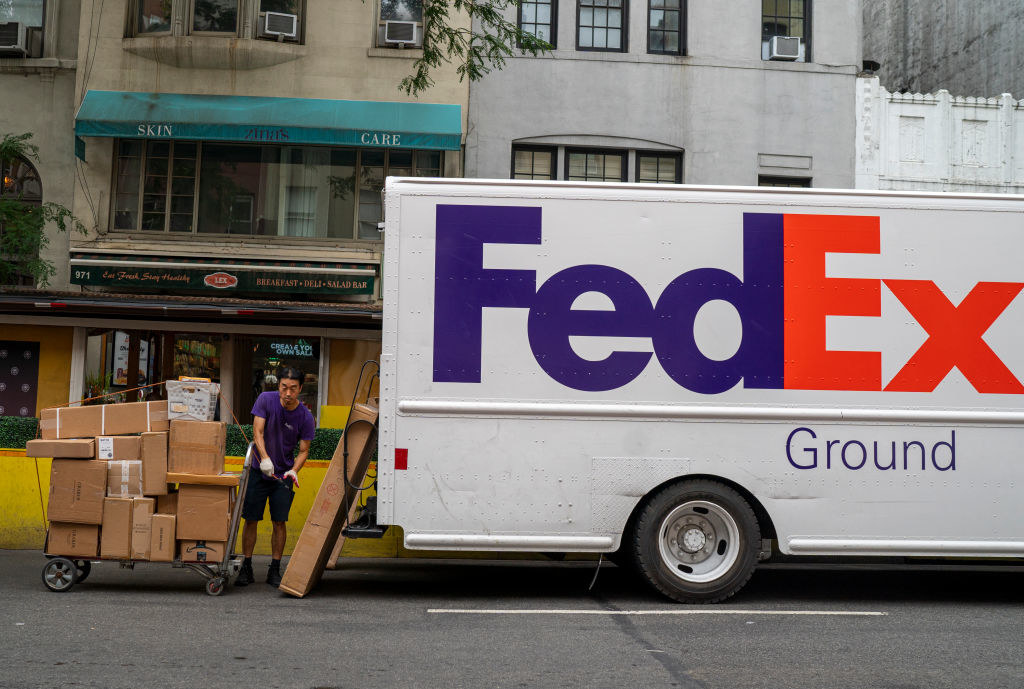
column 280, row 422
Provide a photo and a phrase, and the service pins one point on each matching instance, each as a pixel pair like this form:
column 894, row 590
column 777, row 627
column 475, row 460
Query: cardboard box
column 110, row 447
column 323, row 526
column 103, row 419
column 77, row 489
column 153, row 453
column 73, row 540
column 196, row 447
column 142, row 527
column 161, row 543
column 79, row 448
column 203, row 512
column 116, row 534
column 201, row 551
column 167, row 504
column 124, row 478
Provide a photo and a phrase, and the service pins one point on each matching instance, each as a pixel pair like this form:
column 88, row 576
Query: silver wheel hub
column 699, row 541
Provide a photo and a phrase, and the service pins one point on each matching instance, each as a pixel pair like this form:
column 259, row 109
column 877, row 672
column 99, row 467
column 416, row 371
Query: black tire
column 215, row 586
column 59, row 574
column 84, row 567
column 697, row 541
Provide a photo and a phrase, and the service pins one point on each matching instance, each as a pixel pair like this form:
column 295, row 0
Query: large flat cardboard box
column 201, row 551
column 124, row 478
column 142, row 527
column 103, row 419
column 78, row 448
column 73, row 540
column 196, row 447
column 203, row 512
column 77, row 489
column 167, row 504
column 225, row 479
column 153, row 453
column 110, row 447
column 161, row 542
column 328, row 514
column 116, row 533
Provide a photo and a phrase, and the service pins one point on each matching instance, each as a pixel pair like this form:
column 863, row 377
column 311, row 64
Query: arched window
column 19, row 181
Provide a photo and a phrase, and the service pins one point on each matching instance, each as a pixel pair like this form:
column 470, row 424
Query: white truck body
column 848, row 361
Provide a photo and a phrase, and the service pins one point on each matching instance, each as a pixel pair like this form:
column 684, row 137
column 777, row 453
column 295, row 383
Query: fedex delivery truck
column 682, row 375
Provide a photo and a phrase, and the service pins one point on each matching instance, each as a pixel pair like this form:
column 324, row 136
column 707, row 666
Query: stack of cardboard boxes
column 127, row 483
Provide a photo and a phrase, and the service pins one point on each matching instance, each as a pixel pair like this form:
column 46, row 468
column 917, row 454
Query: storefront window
column 111, row 355
column 264, row 357
column 258, row 190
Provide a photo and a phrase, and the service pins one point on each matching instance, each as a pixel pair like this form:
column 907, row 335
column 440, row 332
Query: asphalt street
column 509, row 624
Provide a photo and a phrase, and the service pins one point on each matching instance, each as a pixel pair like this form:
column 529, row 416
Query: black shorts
column 261, row 491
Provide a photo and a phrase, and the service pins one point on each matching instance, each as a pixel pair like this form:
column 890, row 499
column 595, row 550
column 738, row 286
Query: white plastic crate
column 192, row 401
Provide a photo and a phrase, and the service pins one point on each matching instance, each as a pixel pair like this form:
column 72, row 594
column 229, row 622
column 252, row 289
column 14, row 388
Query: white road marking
column 686, row 611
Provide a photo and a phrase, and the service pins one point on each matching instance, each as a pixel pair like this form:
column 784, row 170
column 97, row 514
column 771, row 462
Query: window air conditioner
column 275, row 24
column 400, row 32
column 12, row 38
column 784, row 48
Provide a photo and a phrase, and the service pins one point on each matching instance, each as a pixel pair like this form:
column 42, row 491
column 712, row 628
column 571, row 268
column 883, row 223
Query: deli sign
column 241, row 279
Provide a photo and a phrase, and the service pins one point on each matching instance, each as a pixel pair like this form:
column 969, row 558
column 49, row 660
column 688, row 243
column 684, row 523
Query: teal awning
column 256, row 119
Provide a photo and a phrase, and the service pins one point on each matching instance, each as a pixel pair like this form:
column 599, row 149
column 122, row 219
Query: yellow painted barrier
column 26, row 486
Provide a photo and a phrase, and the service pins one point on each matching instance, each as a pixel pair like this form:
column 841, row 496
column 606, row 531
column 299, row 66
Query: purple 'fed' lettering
column 463, row 287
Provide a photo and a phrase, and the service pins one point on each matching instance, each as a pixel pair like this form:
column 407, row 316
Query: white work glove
column 267, row 467
column 290, row 474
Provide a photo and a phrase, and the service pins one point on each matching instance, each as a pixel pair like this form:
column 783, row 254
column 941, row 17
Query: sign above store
column 262, row 119
column 182, row 274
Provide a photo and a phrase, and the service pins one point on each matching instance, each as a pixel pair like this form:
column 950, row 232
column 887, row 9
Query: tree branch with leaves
column 23, row 221
column 489, row 40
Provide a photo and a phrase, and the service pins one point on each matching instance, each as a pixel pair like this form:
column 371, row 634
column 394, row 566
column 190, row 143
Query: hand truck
column 60, row 572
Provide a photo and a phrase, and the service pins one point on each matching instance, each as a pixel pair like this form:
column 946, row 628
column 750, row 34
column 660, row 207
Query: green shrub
column 15, row 431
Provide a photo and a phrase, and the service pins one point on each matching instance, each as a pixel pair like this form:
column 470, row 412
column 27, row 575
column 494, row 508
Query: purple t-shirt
column 284, row 429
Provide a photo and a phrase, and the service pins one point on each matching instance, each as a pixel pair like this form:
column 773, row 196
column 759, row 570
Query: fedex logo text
column 783, row 301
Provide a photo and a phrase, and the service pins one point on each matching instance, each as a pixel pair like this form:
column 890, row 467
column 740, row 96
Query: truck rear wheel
column 697, row 541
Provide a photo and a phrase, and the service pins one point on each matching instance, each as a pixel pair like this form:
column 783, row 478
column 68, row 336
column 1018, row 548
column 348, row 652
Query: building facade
column 965, row 48
column 675, row 91
column 938, row 142
column 227, row 158
column 38, row 56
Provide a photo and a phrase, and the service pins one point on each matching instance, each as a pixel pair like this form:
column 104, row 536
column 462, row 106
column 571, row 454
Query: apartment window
column 24, row 30
column 537, row 17
column 400, row 24
column 659, row 168
column 785, row 18
column 595, row 165
column 155, row 17
column 257, row 190
column 284, row 24
column 666, row 27
column 777, row 181
column 600, row 25
column 534, row 162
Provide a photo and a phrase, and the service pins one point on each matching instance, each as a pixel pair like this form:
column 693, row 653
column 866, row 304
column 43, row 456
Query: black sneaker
column 245, row 575
column 274, row 575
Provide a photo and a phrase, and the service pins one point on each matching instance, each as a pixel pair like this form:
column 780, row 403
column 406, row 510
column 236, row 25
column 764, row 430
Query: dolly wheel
column 84, row 567
column 59, row 574
column 215, row 586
